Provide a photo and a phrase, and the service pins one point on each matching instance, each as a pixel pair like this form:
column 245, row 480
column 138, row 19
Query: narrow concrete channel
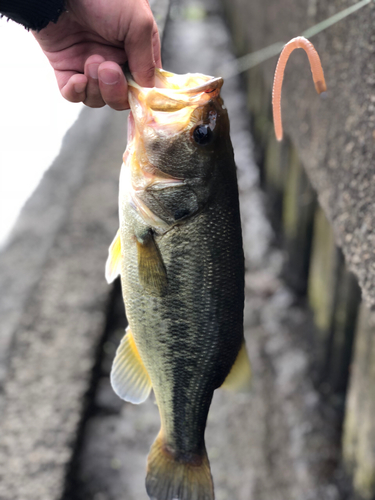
column 279, row 442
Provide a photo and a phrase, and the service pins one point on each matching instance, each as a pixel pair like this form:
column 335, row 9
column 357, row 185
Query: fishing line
column 248, row 61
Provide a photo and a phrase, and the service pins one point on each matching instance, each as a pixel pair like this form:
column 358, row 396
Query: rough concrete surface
column 41, row 219
column 334, row 134
column 54, row 343
column 278, row 442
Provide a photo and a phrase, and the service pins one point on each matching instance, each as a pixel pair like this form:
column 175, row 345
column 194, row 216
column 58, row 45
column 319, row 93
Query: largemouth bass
column 179, row 253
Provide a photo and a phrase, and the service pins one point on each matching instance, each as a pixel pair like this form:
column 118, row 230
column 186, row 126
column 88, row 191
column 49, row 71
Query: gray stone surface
column 41, row 220
column 334, row 135
column 61, row 322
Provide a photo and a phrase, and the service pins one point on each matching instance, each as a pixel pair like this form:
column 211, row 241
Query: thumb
column 139, row 48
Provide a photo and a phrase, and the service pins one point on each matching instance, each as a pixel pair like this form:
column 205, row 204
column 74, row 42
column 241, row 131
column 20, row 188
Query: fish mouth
column 173, row 99
column 182, row 87
column 189, row 83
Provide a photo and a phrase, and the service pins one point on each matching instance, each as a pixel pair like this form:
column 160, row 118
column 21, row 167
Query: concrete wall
column 327, row 155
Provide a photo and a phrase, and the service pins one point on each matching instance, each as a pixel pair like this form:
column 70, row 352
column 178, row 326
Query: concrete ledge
column 41, row 220
column 60, row 322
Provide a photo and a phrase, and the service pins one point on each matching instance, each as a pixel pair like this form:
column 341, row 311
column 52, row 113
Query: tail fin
column 183, row 478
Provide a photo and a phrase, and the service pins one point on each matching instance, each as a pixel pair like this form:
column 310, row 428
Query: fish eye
column 203, row 135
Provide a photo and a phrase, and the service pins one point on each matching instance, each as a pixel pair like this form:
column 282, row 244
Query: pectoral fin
column 239, row 378
column 113, row 264
column 129, row 377
column 152, row 273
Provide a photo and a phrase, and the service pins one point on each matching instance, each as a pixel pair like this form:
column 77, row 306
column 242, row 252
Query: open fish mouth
column 184, row 88
column 190, row 83
column 173, row 99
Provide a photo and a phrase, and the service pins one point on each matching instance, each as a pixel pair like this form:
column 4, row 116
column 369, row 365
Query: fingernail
column 93, row 71
column 109, row 76
column 79, row 87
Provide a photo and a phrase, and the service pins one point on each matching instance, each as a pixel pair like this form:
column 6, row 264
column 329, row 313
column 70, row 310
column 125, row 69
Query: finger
column 113, row 86
column 75, row 57
column 93, row 96
column 156, row 46
column 72, row 85
column 139, row 48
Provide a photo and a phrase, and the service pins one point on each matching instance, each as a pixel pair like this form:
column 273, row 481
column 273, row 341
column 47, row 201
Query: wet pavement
column 279, row 441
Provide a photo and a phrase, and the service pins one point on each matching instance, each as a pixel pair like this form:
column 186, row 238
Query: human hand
column 91, row 39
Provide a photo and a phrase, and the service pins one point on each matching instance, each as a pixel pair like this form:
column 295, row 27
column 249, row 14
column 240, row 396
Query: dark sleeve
column 33, row 14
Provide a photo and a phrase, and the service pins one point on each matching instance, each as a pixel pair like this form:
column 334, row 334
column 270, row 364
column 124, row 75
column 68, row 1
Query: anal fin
column 151, row 269
column 129, row 377
column 239, row 378
column 113, row 264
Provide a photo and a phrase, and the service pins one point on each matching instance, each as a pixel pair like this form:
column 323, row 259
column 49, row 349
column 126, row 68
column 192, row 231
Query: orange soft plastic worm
column 316, row 69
